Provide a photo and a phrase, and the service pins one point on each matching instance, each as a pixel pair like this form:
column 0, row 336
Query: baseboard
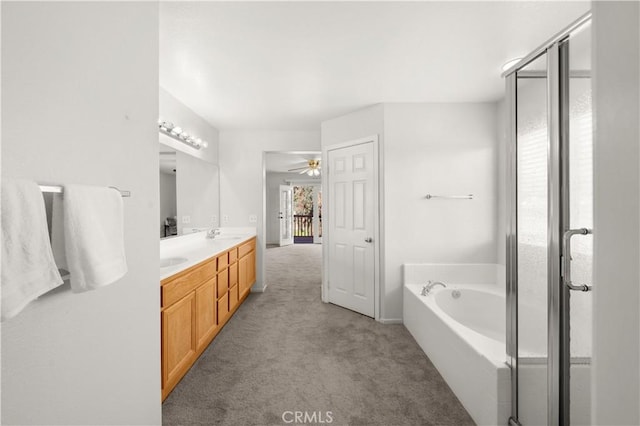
column 258, row 289
column 390, row 320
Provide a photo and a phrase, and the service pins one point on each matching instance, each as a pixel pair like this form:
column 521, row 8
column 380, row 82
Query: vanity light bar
column 178, row 134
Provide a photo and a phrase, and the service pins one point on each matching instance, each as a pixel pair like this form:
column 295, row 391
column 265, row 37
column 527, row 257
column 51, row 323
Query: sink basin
column 172, row 261
column 227, row 237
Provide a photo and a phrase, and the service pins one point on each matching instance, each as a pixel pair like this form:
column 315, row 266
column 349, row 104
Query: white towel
column 94, row 236
column 28, row 268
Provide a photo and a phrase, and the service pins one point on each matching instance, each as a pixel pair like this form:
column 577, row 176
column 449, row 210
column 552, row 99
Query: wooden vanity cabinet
column 233, row 285
column 196, row 303
column 233, row 270
column 206, row 319
column 223, row 282
column 246, row 267
column 178, row 341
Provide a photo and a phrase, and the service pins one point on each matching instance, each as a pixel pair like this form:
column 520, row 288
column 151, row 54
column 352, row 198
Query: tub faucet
column 426, row 289
column 212, row 233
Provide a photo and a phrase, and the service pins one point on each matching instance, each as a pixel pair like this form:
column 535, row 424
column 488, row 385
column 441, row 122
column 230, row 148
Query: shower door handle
column 566, row 258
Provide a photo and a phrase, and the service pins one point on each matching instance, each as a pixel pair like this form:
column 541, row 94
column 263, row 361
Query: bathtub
column 463, row 333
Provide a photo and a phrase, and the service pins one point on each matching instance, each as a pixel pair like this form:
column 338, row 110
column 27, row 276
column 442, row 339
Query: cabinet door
column 233, row 274
column 178, row 339
column 243, row 274
column 223, row 308
column 205, row 313
column 233, row 297
column 246, row 272
column 252, row 268
column 223, row 282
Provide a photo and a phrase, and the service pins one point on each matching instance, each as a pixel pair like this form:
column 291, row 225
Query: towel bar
column 60, row 190
column 450, row 197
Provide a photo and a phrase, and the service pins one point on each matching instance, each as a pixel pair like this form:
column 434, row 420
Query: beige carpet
column 286, row 351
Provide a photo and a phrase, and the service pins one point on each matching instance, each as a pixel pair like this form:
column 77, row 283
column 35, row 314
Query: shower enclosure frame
column 558, row 351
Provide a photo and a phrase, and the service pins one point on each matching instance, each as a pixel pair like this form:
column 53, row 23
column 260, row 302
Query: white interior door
column 286, row 215
column 352, row 200
column 317, row 226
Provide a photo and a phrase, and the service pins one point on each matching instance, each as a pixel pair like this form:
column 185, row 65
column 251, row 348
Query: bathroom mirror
column 168, row 195
column 189, row 193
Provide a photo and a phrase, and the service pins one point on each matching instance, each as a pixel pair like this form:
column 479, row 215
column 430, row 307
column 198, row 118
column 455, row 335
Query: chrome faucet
column 426, row 289
column 212, row 233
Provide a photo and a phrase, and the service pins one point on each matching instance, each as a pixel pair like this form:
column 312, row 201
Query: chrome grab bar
column 450, row 197
column 566, row 258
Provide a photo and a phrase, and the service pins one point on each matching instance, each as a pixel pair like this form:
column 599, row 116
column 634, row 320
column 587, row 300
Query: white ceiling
column 289, row 66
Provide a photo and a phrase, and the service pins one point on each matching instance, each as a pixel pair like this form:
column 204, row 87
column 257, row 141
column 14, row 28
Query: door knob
column 368, row 240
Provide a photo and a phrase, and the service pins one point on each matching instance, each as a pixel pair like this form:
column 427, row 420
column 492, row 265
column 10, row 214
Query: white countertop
column 197, row 247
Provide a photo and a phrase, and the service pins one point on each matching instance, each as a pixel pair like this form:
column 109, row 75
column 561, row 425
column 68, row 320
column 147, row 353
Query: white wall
column 272, row 214
column 198, row 192
column 0, row 203
column 616, row 357
column 80, row 104
column 242, row 177
column 174, row 111
column 446, row 149
column 355, row 125
column 167, row 198
column 359, row 124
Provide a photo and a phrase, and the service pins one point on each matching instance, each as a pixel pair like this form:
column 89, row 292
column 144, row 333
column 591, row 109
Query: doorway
column 307, row 213
column 550, row 241
column 283, row 172
column 290, row 191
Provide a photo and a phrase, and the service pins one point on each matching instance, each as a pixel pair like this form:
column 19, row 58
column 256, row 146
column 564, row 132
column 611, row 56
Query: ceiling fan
column 311, row 169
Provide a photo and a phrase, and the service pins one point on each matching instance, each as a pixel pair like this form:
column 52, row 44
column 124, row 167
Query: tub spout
column 426, row 289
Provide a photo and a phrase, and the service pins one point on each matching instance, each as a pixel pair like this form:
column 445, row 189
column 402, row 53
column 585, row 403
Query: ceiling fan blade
column 298, row 168
column 304, row 171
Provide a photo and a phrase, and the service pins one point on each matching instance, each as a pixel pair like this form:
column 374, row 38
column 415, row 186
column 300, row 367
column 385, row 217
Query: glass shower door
column 549, row 239
column 578, row 200
column 532, row 240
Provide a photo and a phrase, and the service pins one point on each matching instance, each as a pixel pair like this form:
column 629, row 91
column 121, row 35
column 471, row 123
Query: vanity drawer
column 233, row 297
column 223, row 283
column 247, row 248
column 233, row 255
column 175, row 289
column 223, row 308
column 223, row 261
column 233, row 274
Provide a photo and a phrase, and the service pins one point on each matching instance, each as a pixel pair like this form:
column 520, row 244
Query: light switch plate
column 253, row 218
column 186, row 219
column 225, row 218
